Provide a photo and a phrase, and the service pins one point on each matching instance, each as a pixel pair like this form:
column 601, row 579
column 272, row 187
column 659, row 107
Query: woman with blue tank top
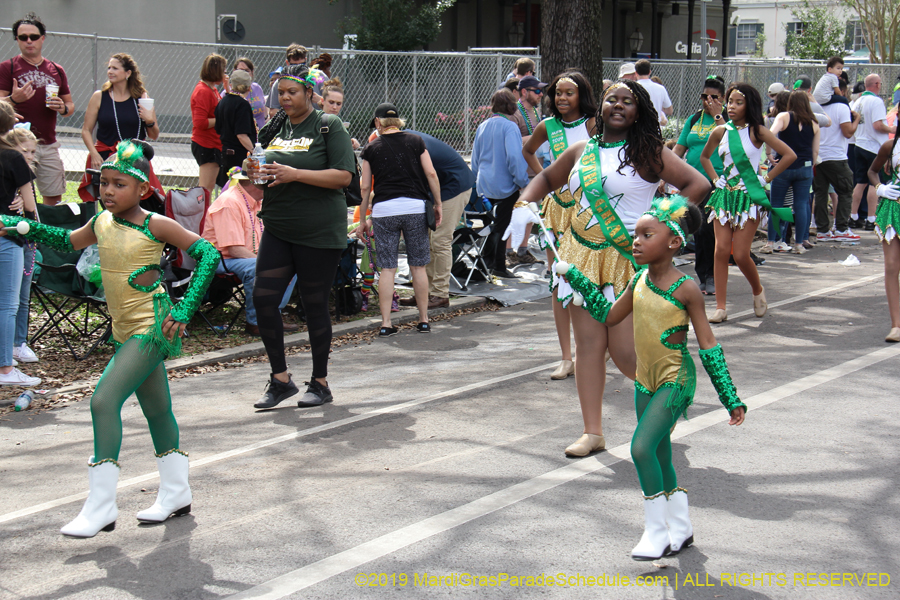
column 740, row 200
column 573, row 106
column 797, row 127
column 612, row 178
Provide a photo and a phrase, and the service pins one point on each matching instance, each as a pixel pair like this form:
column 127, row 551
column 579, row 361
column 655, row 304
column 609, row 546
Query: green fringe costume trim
column 678, row 489
column 207, row 258
column 594, row 301
column 640, row 387
column 105, row 460
column 145, row 228
column 734, row 205
column 55, row 237
column 146, row 288
column 172, row 451
column 154, row 339
column 714, row 362
column 887, row 220
column 589, row 244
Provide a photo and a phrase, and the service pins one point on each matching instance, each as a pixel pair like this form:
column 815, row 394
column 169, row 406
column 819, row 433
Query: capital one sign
column 696, row 48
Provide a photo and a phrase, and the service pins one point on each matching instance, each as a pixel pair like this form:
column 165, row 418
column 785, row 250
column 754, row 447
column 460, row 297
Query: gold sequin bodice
column 126, row 250
column 657, row 315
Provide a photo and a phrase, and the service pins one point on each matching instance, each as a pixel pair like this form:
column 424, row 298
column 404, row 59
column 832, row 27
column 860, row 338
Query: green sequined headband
column 669, row 211
column 127, row 153
column 307, row 81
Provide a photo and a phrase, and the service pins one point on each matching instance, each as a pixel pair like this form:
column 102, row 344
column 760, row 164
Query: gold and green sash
column 751, row 181
column 589, row 172
column 556, row 134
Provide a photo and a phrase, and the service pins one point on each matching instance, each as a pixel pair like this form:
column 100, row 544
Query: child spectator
column 828, row 87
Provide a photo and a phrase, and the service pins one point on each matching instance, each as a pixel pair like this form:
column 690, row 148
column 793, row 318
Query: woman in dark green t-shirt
column 305, row 218
column 691, row 143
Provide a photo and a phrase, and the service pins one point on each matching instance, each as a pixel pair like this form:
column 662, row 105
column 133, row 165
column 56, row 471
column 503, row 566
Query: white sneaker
column 781, row 247
column 845, row 236
column 24, row 354
column 17, row 377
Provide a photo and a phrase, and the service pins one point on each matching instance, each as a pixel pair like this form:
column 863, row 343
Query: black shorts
column 862, row 160
column 205, row 155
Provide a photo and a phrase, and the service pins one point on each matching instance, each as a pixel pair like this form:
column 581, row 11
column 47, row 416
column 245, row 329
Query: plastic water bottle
column 24, row 400
column 258, row 158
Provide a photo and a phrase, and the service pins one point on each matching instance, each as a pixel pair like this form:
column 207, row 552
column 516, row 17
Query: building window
column 856, row 36
column 795, row 28
column 746, row 37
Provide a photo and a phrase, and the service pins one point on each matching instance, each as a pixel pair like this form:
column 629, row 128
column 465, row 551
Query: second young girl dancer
column 739, row 201
column 146, row 330
column 663, row 301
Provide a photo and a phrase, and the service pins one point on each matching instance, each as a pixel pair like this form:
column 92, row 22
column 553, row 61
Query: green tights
column 132, row 370
column 651, row 448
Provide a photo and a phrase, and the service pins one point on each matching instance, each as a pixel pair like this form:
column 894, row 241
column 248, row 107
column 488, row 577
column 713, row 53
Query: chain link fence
column 684, row 79
column 444, row 94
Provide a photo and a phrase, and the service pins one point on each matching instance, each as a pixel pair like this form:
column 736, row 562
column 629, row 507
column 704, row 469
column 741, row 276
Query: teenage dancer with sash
column 887, row 224
column 612, row 178
column 573, row 106
column 740, row 201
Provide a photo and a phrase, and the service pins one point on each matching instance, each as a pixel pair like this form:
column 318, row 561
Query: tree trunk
column 570, row 39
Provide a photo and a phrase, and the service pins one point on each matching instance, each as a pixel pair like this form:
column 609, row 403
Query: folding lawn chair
column 74, row 307
column 188, row 208
column 468, row 246
column 346, row 290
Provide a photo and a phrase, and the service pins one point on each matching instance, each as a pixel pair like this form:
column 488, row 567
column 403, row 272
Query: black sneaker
column 276, row 392
column 870, row 226
column 316, row 395
column 856, row 223
column 504, row 274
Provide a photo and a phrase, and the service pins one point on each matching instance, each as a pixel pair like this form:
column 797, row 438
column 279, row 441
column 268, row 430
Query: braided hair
column 271, row 129
column 643, row 142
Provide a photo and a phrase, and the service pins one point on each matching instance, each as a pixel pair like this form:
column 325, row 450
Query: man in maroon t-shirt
column 23, row 82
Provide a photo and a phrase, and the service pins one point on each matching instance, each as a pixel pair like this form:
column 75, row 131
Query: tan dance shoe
column 719, row 316
column 565, row 368
column 894, row 335
column 586, row 444
column 760, row 305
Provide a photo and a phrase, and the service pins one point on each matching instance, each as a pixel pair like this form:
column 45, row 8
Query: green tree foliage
column 822, row 35
column 395, row 25
column 881, row 20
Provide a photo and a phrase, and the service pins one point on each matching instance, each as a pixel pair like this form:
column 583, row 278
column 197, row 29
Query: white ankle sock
column 854, row 216
column 870, row 219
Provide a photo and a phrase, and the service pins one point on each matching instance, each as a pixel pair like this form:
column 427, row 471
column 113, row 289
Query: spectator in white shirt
column 873, row 131
column 658, row 94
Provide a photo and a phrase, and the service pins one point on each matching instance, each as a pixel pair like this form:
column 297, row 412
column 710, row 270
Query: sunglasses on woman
column 25, row 37
column 709, row 96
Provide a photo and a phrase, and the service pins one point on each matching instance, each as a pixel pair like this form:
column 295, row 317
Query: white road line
column 357, row 556
column 374, row 413
column 284, row 438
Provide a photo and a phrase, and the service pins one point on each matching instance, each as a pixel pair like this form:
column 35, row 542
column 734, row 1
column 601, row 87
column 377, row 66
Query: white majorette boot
column 99, row 511
column 174, row 497
column 681, row 532
column 655, row 541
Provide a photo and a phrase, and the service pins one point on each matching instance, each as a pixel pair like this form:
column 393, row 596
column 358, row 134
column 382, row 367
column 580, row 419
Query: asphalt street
column 440, row 466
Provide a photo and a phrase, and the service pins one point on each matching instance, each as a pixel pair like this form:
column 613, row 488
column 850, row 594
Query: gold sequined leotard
column 658, row 315
column 135, row 309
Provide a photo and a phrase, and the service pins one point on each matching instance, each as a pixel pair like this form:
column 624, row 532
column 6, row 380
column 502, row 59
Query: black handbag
column 430, row 219
column 352, row 193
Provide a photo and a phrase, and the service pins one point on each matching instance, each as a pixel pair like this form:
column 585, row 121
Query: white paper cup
column 52, row 91
column 146, row 103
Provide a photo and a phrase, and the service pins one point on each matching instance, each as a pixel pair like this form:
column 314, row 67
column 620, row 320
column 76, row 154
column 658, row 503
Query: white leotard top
column 753, row 153
column 895, row 158
column 629, row 194
column 574, row 134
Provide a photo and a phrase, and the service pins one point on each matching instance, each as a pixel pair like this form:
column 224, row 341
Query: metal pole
column 704, row 40
column 94, row 60
column 386, row 99
column 415, row 87
column 500, row 69
column 468, row 92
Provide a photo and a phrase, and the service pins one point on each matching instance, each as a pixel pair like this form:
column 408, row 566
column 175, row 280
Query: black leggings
column 278, row 261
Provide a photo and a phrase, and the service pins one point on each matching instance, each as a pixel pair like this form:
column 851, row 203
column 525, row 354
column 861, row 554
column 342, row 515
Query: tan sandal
column 894, row 335
column 719, row 316
column 760, row 305
column 586, row 444
column 565, row 368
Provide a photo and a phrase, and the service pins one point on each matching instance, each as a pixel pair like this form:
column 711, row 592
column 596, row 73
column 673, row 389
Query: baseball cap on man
column 530, row 81
column 626, row 69
column 803, row 83
column 776, row 88
column 385, row 110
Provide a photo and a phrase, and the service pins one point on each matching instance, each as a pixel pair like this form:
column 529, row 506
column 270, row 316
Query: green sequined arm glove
column 55, row 237
column 207, row 258
column 714, row 362
column 594, row 301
